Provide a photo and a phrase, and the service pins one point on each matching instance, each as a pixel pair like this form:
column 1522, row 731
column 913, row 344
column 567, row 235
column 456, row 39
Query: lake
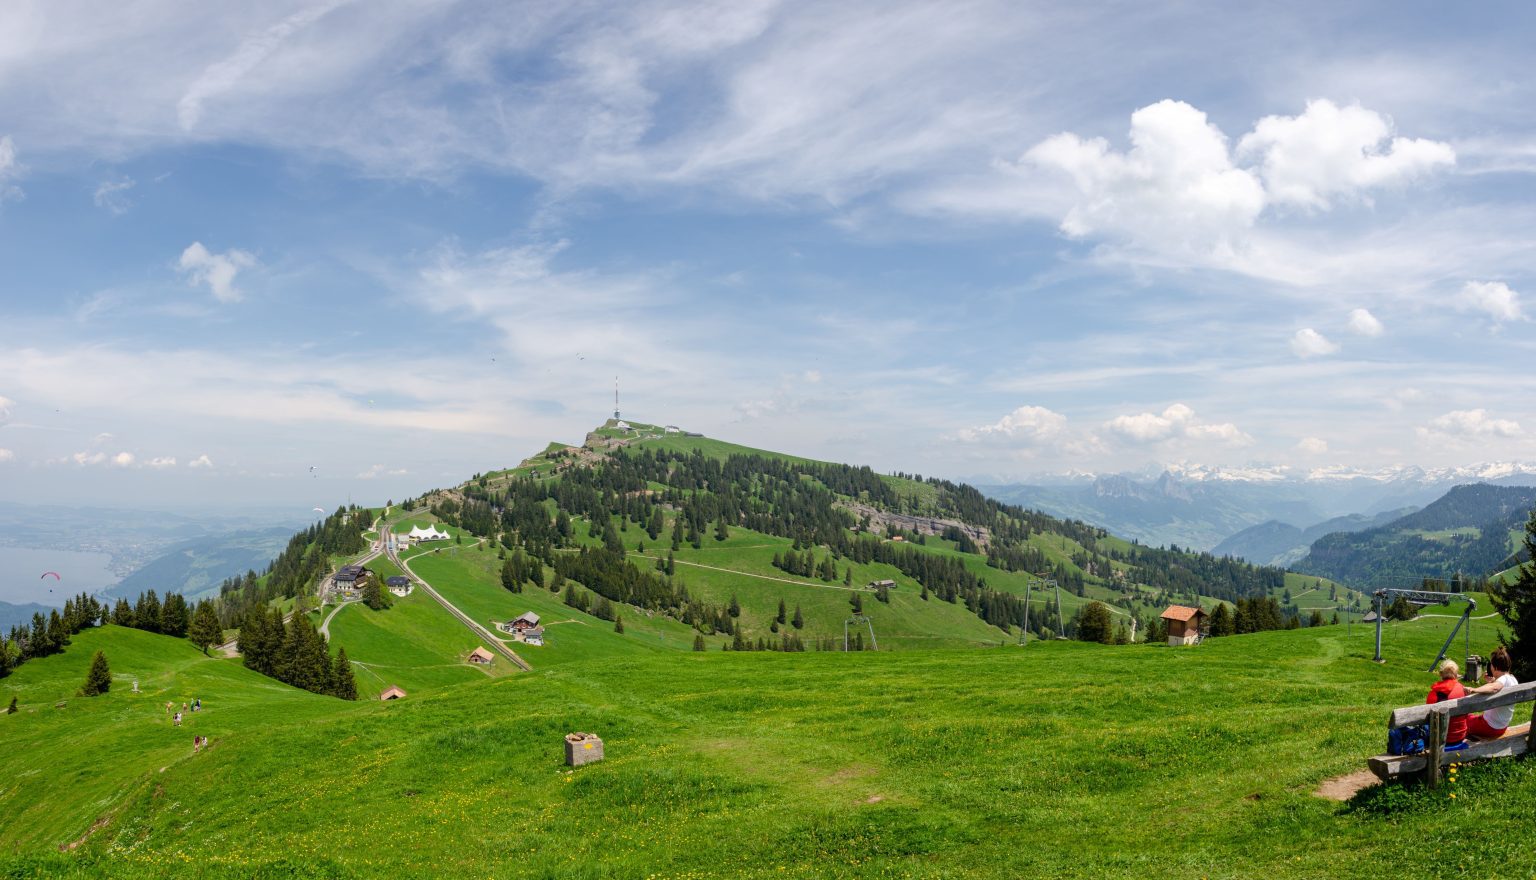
column 21, row 571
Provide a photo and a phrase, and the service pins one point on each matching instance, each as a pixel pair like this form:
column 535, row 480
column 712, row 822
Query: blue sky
column 402, row 242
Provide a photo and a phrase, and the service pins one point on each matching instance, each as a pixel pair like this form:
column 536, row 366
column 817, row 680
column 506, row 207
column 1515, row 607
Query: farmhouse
column 398, row 584
column 1183, row 624
column 533, row 636
column 393, row 692
column 348, row 576
column 886, row 584
column 481, row 656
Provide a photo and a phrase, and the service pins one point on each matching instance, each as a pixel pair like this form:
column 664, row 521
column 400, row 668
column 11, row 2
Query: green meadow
column 1057, row 759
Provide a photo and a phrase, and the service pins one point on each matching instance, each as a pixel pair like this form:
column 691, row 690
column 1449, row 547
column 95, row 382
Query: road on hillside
column 495, row 643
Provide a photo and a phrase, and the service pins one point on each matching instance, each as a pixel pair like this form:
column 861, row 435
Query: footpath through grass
column 1060, row 759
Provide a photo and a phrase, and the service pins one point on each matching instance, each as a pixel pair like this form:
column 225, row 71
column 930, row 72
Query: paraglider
column 46, row 573
column 319, row 510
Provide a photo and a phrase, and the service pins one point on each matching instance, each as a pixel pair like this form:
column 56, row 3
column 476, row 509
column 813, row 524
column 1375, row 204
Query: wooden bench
column 1517, row 739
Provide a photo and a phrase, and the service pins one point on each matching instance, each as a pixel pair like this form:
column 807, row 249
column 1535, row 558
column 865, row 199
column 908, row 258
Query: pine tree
column 798, row 621
column 618, row 623
column 1094, row 624
column 856, row 602
column 99, row 680
column 373, row 595
column 780, row 618
column 205, row 630
column 1516, row 603
column 122, row 613
column 698, row 643
column 735, row 607
column 343, row 684
column 721, row 532
column 58, row 636
column 1221, row 621
column 173, row 615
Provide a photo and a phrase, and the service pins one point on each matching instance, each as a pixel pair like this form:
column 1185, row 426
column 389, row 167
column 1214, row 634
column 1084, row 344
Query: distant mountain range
column 1278, row 543
column 1473, row 530
column 1199, row 507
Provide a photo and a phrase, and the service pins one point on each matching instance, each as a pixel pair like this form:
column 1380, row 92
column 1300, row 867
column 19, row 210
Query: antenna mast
column 615, row 397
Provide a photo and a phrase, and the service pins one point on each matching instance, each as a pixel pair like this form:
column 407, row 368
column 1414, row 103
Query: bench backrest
column 1520, row 693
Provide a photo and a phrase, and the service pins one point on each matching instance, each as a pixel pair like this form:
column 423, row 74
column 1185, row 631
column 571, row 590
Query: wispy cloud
column 1470, row 424
column 112, row 195
column 10, row 170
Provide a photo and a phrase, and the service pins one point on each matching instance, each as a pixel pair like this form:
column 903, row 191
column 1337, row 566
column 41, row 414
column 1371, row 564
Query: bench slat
column 1520, row 693
column 1513, row 742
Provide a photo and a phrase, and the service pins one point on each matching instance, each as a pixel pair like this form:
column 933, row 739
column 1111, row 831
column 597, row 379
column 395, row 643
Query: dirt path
column 1342, row 788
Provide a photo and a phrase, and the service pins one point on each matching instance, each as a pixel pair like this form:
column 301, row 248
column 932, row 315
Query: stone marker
column 582, row 748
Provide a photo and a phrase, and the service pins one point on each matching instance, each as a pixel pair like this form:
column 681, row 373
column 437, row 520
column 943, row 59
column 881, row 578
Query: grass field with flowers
column 1058, row 759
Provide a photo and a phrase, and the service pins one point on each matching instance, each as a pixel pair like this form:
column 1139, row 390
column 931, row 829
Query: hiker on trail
column 168, row 705
column 197, row 744
column 1448, row 688
column 178, row 719
column 1492, row 723
column 197, row 705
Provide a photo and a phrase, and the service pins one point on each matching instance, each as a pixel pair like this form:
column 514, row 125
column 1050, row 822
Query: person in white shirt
column 1492, row 723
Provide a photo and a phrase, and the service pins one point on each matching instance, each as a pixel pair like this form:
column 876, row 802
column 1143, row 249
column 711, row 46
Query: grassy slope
column 1061, row 759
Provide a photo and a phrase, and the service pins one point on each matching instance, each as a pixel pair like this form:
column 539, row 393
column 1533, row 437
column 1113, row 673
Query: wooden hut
column 393, row 692
column 481, row 656
column 1184, row 624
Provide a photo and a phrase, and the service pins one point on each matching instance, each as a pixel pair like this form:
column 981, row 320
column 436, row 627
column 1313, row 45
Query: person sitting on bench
column 1448, row 688
column 1492, row 723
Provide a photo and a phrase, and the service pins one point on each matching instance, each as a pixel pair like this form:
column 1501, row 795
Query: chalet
column 398, row 584
column 393, row 692
column 524, row 622
column 534, row 636
column 481, row 656
column 882, row 585
column 1184, row 624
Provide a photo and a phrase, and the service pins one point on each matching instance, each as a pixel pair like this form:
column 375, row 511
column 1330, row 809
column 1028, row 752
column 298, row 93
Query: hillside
column 195, row 568
column 1278, row 543
column 1470, row 530
column 1188, row 762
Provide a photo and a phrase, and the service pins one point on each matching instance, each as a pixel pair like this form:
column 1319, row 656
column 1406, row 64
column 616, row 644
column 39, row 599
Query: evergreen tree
column 343, row 684
column 721, row 532
column 204, row 629
column 146, row 612
column 373, row 595
column 737, row 642
column 11, row 709
column 780, row 618
column 58, row 635
column 1516, row 603
column 99, row 680
column 1094, row 624
column 856, row 602
column 798, row 621
column 698, row 642
column 173, row 615
column 735, row 607
column 1221, row 621
column 122, row 613
column 618, row 623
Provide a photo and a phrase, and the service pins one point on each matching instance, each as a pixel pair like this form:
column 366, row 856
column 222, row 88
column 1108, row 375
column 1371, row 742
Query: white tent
column 418, row 533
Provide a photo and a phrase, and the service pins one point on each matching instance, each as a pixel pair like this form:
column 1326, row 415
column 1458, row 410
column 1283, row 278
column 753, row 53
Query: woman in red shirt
column 1448, row 688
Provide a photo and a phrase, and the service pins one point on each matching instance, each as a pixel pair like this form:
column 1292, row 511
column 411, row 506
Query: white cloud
column 218, row 271
column 161, row 462
column 5, row 410
column 1310, row 343
column 380, row 470
column 1330, row 152
column 10, row 169
column 1470, row 423
column 1030, row 424
column 1364, row 323
column 85, row 458
column 7, row 455
column 1312, row 446
column 202, row 461
column 1175, row 188
column 1177, row 421
column 123, row 459
column 112, row 195
column 1492, row 297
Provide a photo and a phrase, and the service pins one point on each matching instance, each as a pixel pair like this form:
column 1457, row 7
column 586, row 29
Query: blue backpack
column 1409, row 740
